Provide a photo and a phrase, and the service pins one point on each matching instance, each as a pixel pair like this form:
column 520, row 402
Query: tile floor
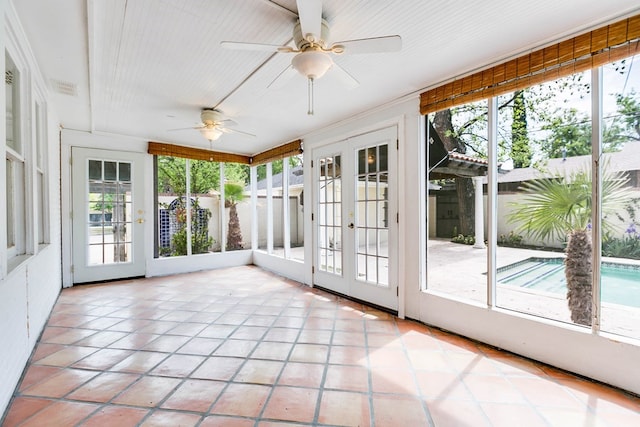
column 245, row 347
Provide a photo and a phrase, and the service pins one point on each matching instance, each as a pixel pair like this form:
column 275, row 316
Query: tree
column 443, row 124
column 520, row 144
column 233, row 194
column 560, row 208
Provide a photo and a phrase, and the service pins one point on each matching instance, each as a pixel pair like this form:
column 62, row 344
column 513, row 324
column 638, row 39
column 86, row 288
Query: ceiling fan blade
column 310, row 15
column 253, row 46
column 370, row 45
column 189, row 128
column 227, row 130
column 282, row 78
column 345, row 77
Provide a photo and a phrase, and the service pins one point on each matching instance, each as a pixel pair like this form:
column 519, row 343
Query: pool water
column 620, row 283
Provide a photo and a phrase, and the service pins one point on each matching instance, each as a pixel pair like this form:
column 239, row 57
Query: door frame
column 81, row 139
column 347, row 147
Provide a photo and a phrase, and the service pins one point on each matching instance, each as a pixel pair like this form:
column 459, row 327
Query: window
column 208, row 195
column 547, row 234
column 42, row 211
column 15, row 165
column 457, row 153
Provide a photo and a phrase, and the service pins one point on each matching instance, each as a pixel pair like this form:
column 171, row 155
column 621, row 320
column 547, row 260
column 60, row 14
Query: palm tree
column 233, row 194
column 560, row 208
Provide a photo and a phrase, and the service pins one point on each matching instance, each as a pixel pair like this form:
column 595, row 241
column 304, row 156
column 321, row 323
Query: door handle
column 350, row 225
column 140, row 220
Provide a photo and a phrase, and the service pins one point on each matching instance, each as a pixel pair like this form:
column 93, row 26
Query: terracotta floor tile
column 442, row 385
column 61, row 414
column 103, row 387
column 309, row 353
column 170, row 419
column 282, row 335
column 103, row 359
column 217, row 331
column 134, row 341
column 347, row 355
column 352, row 378
column 567, row 417
column 177, row 365
column 187, row 329
column 218, row 368
column 272, row 350
column 455, row 413
column 302, row 375
column 390, row 380
column 36, row 374
column 157, row 327
column 344, row 408
column 195, row 395
column 148, row 392
column 508, row 415
column 292, row 404
column 225, row 421
column 246, row 400
column 200, row 346
column 139, row 362
column 166, row 343
column 101, row 339
column 388, row 358
column 259, row 372
column 249, row 332
column 235, row 348
column 487, row 388
column 392, row 410
column 70, row 336
column 43, row 350
column 323, row 353
column 61, row 384
column 22, row 408
column 543, row 392
column 120, row 416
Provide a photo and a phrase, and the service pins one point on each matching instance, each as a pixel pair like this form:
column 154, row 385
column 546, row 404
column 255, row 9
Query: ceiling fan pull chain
column 310, row 96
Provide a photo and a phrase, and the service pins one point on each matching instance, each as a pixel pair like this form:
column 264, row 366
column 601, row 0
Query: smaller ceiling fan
column 311, row 35
column 214, row 124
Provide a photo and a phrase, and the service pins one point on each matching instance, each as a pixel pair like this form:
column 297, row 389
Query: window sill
column 14, row 262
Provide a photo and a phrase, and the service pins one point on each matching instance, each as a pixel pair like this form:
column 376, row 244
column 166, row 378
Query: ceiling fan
column 214, row 124
column 313, row 52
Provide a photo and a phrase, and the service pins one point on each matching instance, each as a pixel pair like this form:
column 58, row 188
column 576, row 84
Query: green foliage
column 200, row 240
column 512, row 239
column 465, row 240
column 552, row 207
column 520, row 144
column 233, row 192
column 628, row 246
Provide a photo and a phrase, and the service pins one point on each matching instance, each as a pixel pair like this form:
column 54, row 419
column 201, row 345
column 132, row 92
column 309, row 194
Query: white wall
column 28, row 291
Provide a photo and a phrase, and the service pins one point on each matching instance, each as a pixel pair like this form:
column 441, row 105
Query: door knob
column 350, row 225
column 140, row 220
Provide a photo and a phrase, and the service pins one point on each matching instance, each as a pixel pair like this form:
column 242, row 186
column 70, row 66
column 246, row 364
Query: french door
column 355, row 222
column 108, row 215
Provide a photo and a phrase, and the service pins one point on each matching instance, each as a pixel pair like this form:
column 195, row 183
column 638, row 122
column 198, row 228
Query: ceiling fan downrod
column 310, row 96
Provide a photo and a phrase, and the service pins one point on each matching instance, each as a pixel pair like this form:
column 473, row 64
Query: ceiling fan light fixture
column 211, row 134
column 312, row 64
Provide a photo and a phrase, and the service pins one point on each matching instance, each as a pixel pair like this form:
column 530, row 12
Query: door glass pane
column 109, row 222
column 329, row 216
column 124, row 171
column 620, row 265
column 371, row 186
column 110, row 171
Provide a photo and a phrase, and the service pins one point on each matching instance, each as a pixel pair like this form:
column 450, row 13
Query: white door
column 108, row 215
column 355, row 226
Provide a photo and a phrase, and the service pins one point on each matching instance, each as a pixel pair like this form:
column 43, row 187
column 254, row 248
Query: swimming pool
column 620, row 282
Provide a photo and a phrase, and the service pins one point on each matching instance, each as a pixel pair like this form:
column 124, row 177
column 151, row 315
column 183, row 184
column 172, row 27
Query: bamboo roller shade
column 286, row 150
column 593, row 49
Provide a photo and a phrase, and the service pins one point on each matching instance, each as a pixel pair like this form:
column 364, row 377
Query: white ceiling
column 142, row 67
